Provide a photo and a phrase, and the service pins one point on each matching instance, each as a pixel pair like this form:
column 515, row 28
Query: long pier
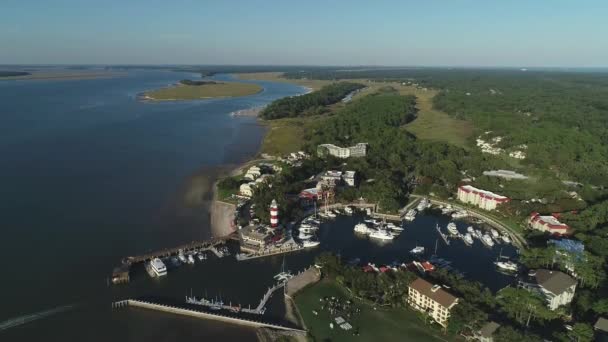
column 200, row 314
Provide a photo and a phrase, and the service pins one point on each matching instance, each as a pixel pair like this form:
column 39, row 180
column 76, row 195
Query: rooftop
column 488, row 329
column 469, row 188
column 505, row 174
column 555, row 282
column 437, row 294
column 601, row 324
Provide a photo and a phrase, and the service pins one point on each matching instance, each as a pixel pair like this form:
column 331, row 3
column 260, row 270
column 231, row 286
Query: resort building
column 349, row 178
column 246, row 189
column 483, row 199
column 556, row 287
column 358, row 150
column 548, row 223
column 432, row 300
column 253, row 238
column 253, row 173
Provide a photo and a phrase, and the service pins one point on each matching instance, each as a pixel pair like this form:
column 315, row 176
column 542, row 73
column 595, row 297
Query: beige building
column 358, row 150
column 483, row 199
column 432, row 300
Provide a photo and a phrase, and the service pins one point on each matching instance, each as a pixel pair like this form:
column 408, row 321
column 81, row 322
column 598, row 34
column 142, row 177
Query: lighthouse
column 274, row 214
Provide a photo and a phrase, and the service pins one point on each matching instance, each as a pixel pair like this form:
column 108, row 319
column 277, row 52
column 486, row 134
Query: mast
column 436, row 241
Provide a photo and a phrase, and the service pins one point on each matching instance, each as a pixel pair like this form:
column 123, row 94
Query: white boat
column 452, row 229
column 201, row 256
column 182, row 257
column 468, row 239
column 470, row 230
column 394, row 227
column 348, row 210
column 307, row 230
column 447, row 209
column 158, row 267
column 460, row 214
column 417, row 250
column 337, row 212
column 190, row 259
column 381, row 234
column 304, row 236
column 410, row 215
column 507, row 266
column 495, row 234
column 487, row 240
column 423, row 204
column 330, row 214
column 478, row 234
column 505, row 238
column 361, row 228
column 310, row 243
column 368, row 211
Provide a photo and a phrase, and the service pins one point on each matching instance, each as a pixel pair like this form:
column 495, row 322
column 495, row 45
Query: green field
column 384, row 324
column 286, row 135
column 206, row 91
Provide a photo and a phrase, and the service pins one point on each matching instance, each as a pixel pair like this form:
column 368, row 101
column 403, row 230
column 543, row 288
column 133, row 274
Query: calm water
column 88, row 175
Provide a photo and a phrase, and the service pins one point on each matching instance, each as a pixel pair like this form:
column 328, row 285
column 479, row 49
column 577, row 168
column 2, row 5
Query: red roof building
column 548, row 223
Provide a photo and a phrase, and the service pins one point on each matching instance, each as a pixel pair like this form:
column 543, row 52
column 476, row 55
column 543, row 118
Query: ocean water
column 88, row 175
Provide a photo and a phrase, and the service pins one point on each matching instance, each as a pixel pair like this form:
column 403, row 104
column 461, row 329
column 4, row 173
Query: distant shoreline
column 64, row 75
column 183, row 92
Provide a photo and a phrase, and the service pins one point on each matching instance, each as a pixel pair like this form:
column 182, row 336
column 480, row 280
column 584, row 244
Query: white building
column 331, row 177
column 246, row 189
column 556, row 287
column 483, row 199
column 506, row 174
column 547, row 223
column 432, row 300
column 349, row 178
column 358, row 150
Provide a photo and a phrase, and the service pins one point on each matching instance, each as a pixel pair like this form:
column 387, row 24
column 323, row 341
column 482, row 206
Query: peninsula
column 196, row 90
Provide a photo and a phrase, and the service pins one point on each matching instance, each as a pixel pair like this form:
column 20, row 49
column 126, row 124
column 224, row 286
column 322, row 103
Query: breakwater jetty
column 121, row 272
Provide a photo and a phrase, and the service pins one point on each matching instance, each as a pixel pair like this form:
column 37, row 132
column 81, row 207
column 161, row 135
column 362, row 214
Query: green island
column 196, row 90
column 539, row 138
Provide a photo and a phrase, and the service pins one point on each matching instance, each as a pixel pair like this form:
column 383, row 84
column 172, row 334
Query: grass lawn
column 206, row 91
column 393, row 324
column 286, row 135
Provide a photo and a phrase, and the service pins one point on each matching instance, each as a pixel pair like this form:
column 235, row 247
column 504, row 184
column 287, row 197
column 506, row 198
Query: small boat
column 507, row 266
column 452, row 229
column 190, row 259
column 410, row 215
column 478, row 234
column 468, row 239
column 460, row 214
column 417, row 250
column 495, row 234
column 361, row 228
column 381, row 234
column 505, row 238
column 423, row 204
column 330, row 214
column 156, row 268
column 470, row 230
column 182, row 257
column 368, row 211
column 348, row 210
column 487, row 240
column 310, row 243
column 201, row 256
column 424, row 266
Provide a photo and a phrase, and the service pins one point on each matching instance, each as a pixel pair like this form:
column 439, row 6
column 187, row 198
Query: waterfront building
column 432, row 300
column 253, row 173
column 332, row 177
column 253, row 238
column 481, row 198
column 246, row 189
column 548, row 223
column 358, row 150
column 274, row 214
column 556, row 287
column 485, row 334
column 349, row 178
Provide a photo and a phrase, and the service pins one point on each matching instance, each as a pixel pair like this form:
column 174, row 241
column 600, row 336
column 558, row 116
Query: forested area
column 562, row 117
column 310, row 104
column 196, row 83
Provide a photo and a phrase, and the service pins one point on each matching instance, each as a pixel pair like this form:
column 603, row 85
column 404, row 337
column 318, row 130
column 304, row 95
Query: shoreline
column 144, row 96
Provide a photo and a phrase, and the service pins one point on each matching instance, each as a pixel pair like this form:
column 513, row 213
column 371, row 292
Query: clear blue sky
column 327, row 32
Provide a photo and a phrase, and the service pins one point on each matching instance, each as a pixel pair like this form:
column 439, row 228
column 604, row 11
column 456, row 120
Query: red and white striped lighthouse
column 274, row 214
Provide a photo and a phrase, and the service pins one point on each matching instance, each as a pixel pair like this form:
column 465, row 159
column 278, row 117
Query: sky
column 531, row 33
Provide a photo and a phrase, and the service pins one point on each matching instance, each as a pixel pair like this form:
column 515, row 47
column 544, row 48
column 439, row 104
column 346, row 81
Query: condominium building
column 483, row 199
column 548, row 223
column 358, row 150
column 432, row 300
column 556, row 287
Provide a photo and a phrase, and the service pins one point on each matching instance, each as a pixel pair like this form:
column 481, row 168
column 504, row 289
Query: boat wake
column 17, row 321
